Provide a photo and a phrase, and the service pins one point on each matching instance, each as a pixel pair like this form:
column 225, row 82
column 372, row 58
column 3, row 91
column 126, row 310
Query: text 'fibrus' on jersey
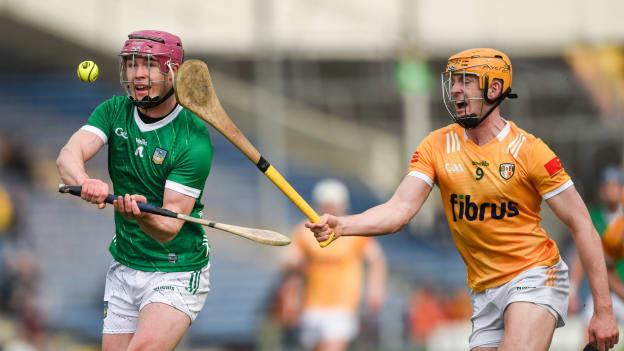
column 463, row 208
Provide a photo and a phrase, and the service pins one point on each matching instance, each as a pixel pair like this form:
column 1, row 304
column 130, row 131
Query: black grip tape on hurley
column 263, row 164
column 144, row 207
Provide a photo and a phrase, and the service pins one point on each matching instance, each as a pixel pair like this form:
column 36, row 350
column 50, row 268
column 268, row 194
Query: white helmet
column 330, row 191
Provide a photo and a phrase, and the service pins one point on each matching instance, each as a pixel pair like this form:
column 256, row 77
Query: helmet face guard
column 467, row 121
column 146, row 51
column 484, row 64
column 142, row 66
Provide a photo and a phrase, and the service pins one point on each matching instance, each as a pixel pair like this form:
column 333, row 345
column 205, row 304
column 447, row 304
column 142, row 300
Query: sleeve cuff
column 96, row 131
column 558, row 190
column 182, row 189
column 422, row 176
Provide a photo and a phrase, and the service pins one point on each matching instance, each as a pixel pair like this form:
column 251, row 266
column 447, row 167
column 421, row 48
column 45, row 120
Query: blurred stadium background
column 341, row 88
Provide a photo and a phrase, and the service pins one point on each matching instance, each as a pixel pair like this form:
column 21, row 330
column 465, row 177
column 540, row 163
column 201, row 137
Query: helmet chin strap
column 150, row 102
column 472, row 120
column 147, row 102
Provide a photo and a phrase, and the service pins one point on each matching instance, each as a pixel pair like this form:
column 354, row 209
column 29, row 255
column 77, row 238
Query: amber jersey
column 492, row 196
column 334, row 274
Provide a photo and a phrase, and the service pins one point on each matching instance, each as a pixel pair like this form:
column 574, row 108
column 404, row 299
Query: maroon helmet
column 165, row 47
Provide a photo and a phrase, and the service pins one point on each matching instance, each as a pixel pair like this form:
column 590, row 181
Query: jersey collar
column 501, row 135
column 144, row 127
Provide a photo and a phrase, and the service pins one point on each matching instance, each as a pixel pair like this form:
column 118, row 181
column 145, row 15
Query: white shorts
column 128, row 290
column 618, row 309
column 319, row 325
column 545, row 286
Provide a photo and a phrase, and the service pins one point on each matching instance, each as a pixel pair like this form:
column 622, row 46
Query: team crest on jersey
column 159, row 156
column 507, row 170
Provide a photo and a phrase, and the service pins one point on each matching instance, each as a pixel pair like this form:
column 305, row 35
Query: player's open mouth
column 141, row 87
column 460, row 105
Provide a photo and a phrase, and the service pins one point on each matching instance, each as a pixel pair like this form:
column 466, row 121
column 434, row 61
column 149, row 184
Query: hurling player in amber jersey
column 493, row 177
column 330, row 304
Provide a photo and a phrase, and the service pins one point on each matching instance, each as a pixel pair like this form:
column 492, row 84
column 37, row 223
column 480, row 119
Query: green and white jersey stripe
column 174, row 153
column 194, row 282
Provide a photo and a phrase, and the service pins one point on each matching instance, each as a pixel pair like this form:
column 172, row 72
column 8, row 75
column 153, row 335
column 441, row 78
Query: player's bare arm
column 162, row 229
column 571, row 210
column 80, row 148
column 386, row 218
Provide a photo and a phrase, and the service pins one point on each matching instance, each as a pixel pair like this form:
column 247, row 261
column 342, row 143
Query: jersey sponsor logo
column 159, row 156
column 165, row 287
column 507, row 170
column 453, row 167
column 522, row 288
column 122, row 133
column 463, row 208
column 172, row 257
column 553, row 166
column 141, row 141
column 481, row 163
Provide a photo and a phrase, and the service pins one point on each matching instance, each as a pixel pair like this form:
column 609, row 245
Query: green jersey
column 175, row 153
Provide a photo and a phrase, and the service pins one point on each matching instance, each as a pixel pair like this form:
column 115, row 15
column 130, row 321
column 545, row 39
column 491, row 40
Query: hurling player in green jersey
column 160, row 153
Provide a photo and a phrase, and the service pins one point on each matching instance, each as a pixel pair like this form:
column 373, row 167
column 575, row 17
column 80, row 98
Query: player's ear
column 173, row 67
column 495, row 89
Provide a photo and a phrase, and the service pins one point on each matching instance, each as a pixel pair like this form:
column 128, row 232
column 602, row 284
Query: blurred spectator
column 458, row 306
column 6, row 211
column 14, row 160
column 332, row 277
column 19, row 271
column 7, row 217
column 425, row 313
column 16, row 178
column 610, row 192
column 429, row 309
column 286, row 309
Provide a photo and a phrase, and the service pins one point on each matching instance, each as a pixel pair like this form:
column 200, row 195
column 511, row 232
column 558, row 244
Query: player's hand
column 128, row 207
column 324, row 227
column 94, row 191
column 603, row 330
